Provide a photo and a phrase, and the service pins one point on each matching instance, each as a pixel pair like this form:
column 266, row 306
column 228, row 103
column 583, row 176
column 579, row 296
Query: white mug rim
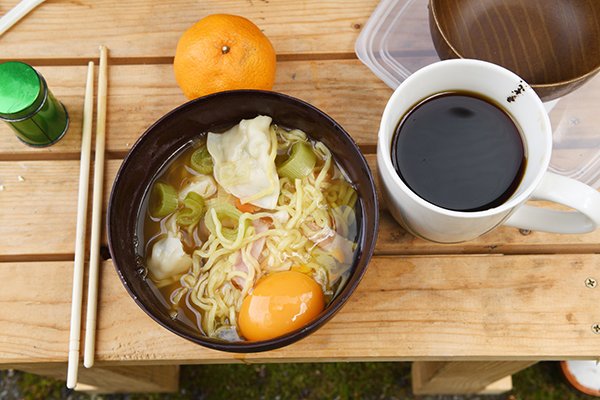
column 397, row 181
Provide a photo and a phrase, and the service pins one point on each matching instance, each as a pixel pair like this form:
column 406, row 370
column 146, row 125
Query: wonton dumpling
column 204, row 185
column 168, row 258
column 244, row 161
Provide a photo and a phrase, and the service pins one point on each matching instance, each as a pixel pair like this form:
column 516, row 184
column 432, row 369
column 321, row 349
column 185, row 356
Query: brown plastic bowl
column 217, row 113
column 553, row 45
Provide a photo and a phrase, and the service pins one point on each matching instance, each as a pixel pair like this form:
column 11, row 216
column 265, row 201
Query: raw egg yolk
column 280, row 303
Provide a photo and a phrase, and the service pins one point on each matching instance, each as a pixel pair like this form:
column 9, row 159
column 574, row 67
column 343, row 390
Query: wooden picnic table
column 467, row 314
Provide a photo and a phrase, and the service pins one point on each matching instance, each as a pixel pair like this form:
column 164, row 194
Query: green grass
column 298, row 381
column 544, row 381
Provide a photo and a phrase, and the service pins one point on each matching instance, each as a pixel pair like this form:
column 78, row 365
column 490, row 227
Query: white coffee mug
column 447, row 226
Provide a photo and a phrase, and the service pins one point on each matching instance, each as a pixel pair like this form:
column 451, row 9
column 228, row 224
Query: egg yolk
column 280, row 303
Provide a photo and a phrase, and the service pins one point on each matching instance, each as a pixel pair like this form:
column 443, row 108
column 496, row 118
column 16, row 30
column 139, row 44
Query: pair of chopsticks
column 86, row 141
column 6, row 22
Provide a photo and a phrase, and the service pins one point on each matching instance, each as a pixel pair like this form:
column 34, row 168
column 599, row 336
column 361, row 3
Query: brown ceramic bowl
column 553, row 45
column 217, row 113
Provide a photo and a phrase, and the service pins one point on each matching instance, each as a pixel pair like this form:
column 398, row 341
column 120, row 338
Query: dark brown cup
column 553, row 45
column 217, row 113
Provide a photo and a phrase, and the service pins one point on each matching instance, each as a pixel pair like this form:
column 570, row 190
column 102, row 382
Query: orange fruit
column 223, row 52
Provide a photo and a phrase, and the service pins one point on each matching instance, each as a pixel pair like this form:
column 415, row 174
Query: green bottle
column 29, row 107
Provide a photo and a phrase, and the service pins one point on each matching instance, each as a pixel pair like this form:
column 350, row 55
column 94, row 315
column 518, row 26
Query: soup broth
column 231, row 214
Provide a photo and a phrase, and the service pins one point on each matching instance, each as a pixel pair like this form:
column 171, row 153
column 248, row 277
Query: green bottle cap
column 21, row 91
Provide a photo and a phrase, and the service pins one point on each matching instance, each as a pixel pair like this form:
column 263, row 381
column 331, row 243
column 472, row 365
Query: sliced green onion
column 224, row 212
column 202, row 161
column 163, row 200
column 193, row 210
column 300, row 163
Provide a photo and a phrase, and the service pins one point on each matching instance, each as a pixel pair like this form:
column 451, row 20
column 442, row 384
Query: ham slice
column 260, row 225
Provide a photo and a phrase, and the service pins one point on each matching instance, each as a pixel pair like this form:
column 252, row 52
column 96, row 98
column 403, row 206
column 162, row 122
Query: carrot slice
column 249, row 208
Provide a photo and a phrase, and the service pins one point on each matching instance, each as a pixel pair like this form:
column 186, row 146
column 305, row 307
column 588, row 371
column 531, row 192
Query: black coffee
column 459, row 151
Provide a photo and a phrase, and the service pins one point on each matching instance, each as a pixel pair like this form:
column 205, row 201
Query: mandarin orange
column 223, row 52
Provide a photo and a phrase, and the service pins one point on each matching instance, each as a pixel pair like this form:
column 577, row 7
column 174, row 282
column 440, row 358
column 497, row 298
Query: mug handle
column 566, row 191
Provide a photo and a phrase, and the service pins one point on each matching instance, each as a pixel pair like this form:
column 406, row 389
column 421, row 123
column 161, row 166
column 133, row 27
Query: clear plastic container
column 395, row 42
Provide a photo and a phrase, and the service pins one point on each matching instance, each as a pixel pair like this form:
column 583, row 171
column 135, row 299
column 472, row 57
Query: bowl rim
column 442, row 33
column 369, row 238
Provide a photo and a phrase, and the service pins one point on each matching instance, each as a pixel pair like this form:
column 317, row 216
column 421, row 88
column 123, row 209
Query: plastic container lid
column 20, row 90
column 395, row 42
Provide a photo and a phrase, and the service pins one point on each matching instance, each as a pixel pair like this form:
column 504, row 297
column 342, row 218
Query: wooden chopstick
column 19, row 11
column 82, row 200
column 92, row 299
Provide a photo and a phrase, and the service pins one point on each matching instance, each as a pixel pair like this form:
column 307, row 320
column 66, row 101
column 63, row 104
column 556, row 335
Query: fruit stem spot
column 225, row 49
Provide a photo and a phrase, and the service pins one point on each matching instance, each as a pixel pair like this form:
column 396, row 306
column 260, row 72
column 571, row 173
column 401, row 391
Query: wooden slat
column 150, row 29
column 500, row 386
column 455, row 308
column 39, row 201
column 35, row 308
column 38, row 219
column 140, row 94
column 130, row 379
column 345, row 89
column 504, row 240
column 459, row 377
